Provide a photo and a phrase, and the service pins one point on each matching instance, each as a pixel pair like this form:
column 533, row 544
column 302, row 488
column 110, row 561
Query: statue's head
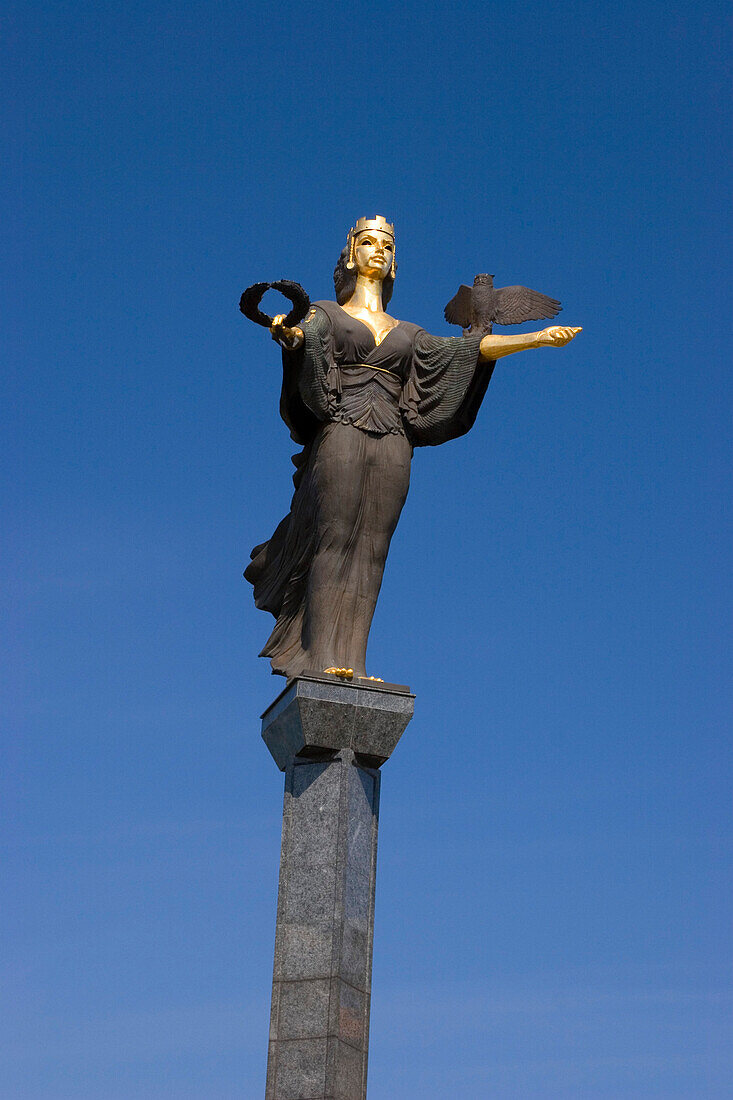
column 369, row 251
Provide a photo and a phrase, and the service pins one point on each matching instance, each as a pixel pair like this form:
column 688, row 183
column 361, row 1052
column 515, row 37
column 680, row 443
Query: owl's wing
column 458, row 310
column 516, row 304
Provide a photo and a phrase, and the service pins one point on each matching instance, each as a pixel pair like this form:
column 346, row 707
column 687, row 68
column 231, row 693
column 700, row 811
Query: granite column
column 330, row 738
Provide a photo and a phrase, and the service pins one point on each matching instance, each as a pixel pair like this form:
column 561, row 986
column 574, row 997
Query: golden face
column 373, row 253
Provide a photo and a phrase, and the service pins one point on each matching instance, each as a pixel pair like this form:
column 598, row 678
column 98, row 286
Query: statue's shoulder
column 332, row 310
column 411, row 328
column 321, row 316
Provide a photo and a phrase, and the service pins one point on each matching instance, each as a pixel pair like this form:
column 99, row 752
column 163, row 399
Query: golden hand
column 556, row 336
column 496, row 347
column 289, row 338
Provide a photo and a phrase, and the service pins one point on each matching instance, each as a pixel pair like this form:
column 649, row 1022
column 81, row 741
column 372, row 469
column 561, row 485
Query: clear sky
column 553, row 904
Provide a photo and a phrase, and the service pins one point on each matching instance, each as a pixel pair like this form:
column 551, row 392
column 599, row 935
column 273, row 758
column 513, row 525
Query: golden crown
column 377, row 222
column 363, row 225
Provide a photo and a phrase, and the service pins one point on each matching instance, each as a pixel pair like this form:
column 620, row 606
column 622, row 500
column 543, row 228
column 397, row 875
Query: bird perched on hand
column 478, row 307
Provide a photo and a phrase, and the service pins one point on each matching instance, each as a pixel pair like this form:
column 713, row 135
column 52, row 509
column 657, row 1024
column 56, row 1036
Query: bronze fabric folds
column 321, row 571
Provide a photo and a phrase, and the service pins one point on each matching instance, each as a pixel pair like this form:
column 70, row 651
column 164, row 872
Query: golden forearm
column 496, row 347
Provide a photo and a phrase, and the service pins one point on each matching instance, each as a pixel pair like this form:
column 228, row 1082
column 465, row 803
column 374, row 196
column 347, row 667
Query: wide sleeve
column 445, row 387
column 309, row 377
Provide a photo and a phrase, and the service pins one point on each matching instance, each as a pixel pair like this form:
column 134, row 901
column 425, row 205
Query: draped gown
column 358, row 408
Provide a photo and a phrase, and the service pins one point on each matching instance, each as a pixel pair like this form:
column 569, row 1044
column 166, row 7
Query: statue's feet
column 348, row 674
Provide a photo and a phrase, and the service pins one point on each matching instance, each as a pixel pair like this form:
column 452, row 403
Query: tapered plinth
column 330, row 739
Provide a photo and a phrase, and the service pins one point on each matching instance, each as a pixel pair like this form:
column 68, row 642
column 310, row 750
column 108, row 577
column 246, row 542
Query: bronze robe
column 358, row 408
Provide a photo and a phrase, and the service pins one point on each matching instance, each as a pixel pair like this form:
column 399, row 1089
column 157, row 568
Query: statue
column 360, row 391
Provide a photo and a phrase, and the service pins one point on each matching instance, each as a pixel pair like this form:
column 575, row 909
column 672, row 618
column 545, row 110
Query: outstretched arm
column 496, row 347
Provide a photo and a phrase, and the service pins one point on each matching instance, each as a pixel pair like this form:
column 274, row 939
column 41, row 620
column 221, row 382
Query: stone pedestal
column 330, row 738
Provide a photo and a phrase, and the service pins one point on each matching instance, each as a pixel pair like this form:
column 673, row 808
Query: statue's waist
column 368, row 397
column 355, row 374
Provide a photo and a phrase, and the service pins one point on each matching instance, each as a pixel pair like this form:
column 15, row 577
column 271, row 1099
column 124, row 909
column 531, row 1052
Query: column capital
column 317, row 714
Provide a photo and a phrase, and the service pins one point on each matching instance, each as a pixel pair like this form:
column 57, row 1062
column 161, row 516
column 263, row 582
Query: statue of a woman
column 360, row 391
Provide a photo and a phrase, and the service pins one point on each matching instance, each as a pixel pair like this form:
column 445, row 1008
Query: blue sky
column 553, row 905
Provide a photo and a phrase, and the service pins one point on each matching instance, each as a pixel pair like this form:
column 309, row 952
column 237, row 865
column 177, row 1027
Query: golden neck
column 367, row 295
